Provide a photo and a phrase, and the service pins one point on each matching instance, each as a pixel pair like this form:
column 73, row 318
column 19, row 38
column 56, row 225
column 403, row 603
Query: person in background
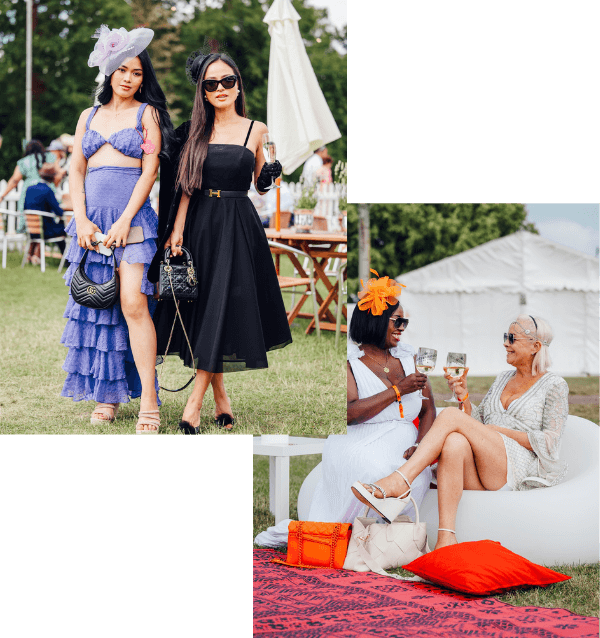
column 41, row 197
column 27, row 169
column 59, row 151
column 67, row 141
column 323, row 174
column 313, row 164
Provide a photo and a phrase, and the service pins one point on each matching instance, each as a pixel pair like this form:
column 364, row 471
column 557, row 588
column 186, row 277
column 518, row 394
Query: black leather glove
column 268, row 173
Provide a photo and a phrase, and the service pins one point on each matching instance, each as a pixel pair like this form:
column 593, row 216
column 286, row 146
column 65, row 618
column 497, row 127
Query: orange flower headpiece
column 378, row 294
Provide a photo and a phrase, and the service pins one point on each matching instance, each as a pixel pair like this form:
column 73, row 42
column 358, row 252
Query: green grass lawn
column 579, row 595
column 583, row 386
column 302, row 392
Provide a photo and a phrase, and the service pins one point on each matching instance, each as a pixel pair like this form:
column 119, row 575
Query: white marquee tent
column 464, row 303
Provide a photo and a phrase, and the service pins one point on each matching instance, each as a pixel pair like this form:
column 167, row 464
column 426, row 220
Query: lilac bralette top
column 128, row 140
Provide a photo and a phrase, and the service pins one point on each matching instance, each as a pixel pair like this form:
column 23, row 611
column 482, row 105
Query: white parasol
column 298, row 116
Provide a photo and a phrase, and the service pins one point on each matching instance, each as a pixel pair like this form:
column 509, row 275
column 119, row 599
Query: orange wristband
column 399, row 399
column 461, row 401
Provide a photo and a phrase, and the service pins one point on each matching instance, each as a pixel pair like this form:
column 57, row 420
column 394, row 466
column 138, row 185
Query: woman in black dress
column 203, row 205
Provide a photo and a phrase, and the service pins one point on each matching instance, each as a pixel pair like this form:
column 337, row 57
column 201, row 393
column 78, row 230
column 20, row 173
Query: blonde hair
column 543, row 334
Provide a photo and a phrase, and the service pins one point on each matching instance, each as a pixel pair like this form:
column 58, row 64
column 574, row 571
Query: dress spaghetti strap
column 139, row 115
column 90, row 116
column 249, row 131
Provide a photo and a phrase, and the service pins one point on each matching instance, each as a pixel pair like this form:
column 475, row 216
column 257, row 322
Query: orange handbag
column 323, row 545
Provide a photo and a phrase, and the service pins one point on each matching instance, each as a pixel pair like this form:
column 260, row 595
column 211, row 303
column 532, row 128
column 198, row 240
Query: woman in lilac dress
column 112, row 352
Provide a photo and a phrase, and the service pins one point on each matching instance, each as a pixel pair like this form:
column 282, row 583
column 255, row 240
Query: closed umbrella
column 298, row 116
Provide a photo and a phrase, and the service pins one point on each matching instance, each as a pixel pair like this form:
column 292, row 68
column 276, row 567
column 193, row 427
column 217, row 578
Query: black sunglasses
column 510, row 337
column 213, row 85
column 399, row 322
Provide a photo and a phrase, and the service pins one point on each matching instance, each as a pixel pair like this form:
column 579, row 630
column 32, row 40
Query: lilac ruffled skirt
column 99, row 363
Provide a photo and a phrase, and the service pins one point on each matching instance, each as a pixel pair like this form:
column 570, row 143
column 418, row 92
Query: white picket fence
column 329, row 196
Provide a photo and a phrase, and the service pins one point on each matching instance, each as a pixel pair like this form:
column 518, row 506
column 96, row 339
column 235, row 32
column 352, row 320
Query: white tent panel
column 572, row 348
column 464, row 303
column 453, row 322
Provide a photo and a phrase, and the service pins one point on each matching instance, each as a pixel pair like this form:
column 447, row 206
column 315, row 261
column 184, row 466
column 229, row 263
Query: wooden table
column 320, row 246
column 279, row 468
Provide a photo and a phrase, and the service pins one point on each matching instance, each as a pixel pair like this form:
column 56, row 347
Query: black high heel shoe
column 224, row 420
column 187, row 428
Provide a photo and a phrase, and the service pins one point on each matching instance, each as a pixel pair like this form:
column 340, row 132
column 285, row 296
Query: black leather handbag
column 178, row 282
column 90, row 294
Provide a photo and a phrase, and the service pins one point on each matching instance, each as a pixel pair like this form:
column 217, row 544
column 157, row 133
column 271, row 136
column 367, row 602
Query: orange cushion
column 481, row 567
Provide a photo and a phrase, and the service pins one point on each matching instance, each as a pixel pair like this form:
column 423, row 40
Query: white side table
column 279, row 469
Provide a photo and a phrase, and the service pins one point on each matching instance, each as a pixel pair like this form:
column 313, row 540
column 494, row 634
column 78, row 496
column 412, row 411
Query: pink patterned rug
column 311, row 603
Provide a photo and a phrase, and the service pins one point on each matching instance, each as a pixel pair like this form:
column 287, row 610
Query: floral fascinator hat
column 114, row 46
column 378, row 294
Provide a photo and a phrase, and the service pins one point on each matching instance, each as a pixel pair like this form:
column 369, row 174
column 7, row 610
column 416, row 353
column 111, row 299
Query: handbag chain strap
column 177, row 314
column 334, row 540
column 300, row 543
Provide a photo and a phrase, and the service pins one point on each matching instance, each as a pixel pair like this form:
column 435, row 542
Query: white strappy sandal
column 387, row 508
column 148, row 419
column 103, row 409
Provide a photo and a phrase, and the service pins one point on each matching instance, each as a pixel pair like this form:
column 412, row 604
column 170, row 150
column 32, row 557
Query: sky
column 336, row 9
column 573, row 225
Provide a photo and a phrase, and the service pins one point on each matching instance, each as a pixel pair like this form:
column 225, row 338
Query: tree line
column 63, row 83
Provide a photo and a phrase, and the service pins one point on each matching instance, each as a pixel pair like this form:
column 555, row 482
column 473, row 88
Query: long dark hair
column 36, row 148
column 193, row 154
column 151, row 93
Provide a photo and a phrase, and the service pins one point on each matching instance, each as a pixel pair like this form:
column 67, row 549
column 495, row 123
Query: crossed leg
column 471, row 456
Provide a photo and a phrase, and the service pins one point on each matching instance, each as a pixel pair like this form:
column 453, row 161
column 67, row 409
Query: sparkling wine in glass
column 270, row 153
column 426, row 358
column 455, row 365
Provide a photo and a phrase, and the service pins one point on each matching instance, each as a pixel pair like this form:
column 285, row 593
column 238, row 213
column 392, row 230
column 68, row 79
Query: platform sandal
column 108, row 412
column 149, row 420
column 387, row 508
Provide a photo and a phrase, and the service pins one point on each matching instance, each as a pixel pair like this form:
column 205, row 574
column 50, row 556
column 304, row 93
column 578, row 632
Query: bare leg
column 456, row 472
column 486, row 444
column 142, row 334
column 191, row 413
column 222, row 404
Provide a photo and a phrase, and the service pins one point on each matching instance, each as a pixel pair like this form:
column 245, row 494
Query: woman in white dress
column 511, row 441
column 380, row 426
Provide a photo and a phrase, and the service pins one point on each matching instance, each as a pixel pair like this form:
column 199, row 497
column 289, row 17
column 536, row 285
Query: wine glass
column 426, row 358
column 455, row 366
column 270, row 152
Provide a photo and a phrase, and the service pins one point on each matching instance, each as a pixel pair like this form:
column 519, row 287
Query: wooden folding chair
column 7, row 236
column 340, row 305
column 292, row 282
column 35, row 226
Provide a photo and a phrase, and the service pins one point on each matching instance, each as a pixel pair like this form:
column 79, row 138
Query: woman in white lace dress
column 511, row 441
column 380, row 428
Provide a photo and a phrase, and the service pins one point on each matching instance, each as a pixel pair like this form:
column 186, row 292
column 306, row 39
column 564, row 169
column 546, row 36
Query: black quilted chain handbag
column 178, row 283
column 88, row 293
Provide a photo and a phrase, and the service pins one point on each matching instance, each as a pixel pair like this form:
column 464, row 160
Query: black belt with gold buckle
column 219, row 193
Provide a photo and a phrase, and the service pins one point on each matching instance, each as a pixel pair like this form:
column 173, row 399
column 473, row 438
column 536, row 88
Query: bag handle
column 85, row 254
column 167, row 256
column 177, row 314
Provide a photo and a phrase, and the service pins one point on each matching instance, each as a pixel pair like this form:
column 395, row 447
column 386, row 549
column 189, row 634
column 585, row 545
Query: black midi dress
column 239, row 315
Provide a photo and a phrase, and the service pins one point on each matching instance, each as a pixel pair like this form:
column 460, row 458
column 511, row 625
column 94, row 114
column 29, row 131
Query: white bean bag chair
column 547, row 525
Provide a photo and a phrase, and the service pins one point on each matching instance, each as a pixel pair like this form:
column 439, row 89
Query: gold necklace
column 385, row 368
